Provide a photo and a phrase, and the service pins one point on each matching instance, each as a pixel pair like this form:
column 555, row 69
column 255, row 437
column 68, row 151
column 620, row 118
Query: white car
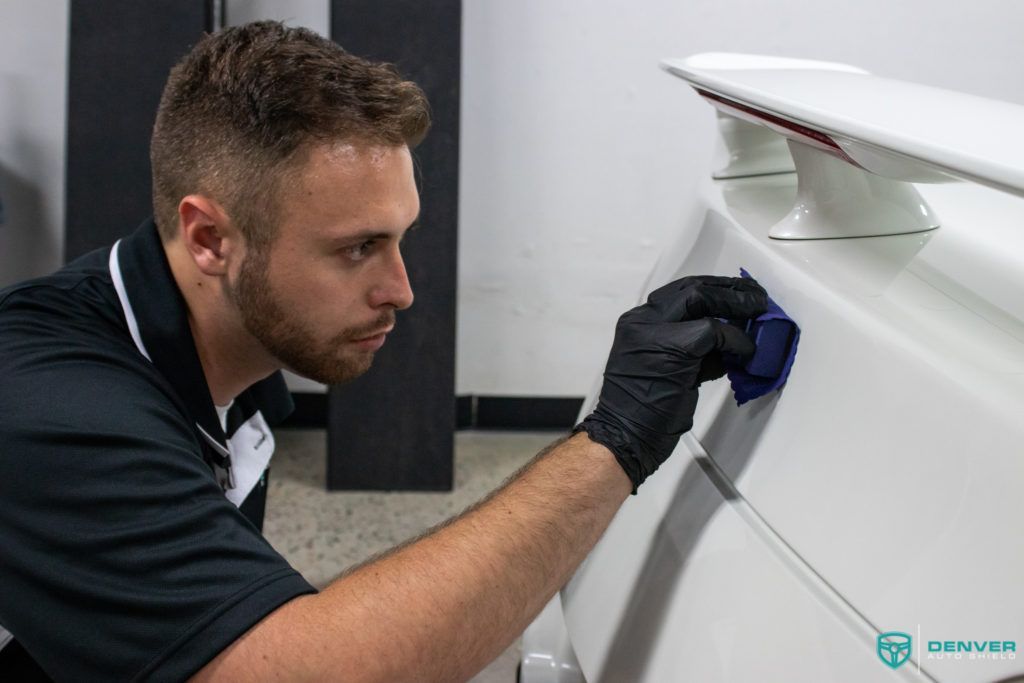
column 865, row 522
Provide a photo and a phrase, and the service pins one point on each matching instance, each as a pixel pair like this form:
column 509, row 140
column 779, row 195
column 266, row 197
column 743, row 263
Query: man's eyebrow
column 374, row 234
column 362, row 236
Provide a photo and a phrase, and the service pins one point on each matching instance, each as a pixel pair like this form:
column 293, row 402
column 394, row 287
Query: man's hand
column 663, row 350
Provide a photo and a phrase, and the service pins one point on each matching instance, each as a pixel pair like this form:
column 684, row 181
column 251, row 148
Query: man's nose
column 393, row 289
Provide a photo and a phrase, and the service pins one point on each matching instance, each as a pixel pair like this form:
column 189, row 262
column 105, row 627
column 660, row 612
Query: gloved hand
column 662, row 351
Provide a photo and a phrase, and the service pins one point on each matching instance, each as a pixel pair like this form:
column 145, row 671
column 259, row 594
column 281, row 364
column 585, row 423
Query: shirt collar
column 157, row 318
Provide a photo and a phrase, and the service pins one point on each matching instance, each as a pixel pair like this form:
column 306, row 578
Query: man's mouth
column 373, row 341
column 375, row 335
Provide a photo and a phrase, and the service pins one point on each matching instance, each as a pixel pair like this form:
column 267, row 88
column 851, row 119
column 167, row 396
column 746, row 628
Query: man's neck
column 232, row 360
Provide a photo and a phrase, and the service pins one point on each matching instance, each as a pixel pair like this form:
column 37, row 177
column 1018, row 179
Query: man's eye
column 359, row 251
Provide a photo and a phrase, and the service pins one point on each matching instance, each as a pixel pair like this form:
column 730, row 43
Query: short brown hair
column 246, row 104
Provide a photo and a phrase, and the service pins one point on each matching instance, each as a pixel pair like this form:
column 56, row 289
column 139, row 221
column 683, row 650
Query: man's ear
column 207, row 233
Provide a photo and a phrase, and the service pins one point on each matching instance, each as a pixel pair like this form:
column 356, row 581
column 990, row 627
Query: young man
column 137, row 384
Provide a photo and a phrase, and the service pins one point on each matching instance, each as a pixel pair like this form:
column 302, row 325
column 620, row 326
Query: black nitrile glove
column 662, row 351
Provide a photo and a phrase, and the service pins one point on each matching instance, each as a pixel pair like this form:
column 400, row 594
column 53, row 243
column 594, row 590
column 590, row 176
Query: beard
column 293, row 341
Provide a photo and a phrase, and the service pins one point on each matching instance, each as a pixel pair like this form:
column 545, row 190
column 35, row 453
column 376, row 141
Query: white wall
column 312, row 14
column 579, row 154
column 33, row 112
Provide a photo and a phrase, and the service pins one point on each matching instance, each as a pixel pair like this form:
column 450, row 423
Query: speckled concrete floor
column 321, row 533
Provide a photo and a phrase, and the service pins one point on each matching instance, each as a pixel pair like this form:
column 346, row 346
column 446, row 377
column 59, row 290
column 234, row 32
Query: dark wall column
column 393, row 428
column 119, row 55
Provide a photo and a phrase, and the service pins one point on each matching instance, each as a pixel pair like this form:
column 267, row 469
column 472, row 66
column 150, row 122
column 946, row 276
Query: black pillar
column 394, row 427
column 119, row 55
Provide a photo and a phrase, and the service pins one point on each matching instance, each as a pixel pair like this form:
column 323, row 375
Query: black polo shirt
column 129, row 520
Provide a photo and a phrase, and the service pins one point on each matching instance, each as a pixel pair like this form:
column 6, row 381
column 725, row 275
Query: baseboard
column 465, row 412
column 525, row 413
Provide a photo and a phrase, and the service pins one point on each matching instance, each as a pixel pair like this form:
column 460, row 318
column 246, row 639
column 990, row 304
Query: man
column 137, row 383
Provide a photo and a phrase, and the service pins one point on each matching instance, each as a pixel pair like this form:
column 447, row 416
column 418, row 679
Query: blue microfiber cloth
column 775, row 335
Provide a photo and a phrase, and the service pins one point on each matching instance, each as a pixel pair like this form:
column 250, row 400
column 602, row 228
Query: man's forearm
column 442, row 607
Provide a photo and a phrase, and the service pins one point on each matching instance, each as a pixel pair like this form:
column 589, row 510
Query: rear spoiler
column 847, row 130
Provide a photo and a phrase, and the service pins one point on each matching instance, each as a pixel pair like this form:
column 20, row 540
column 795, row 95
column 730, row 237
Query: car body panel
column 707, row 593
column 879, row 490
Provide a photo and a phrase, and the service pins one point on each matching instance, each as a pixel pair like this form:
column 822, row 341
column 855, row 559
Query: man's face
column 322, row 296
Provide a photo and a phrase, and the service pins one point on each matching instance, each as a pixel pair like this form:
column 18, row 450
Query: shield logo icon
column 894, row 648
